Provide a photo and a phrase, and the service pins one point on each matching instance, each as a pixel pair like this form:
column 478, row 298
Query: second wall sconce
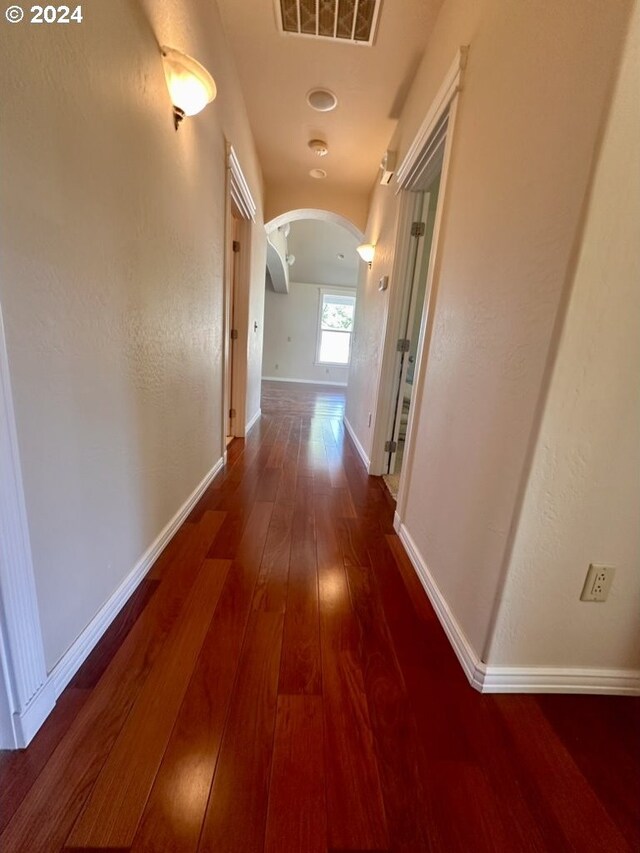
column 366, row 252
column 190, row 85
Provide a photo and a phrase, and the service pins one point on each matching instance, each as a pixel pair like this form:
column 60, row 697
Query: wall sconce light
column 366, row 252
column 190, row 85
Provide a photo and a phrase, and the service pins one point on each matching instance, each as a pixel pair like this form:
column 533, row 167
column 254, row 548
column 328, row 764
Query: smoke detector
column 318, row 174
column 319, row 147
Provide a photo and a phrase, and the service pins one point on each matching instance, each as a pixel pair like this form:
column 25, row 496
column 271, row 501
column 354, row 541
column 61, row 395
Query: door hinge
column 403, row 345
column 418, row 229
column 232, row 413
column 236, row 245
column 234, row 334
column 390, row 446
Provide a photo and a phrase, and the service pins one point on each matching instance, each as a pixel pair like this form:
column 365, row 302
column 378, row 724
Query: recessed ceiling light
column 319, row 147
column 340, row 256
column 318, row 173
column 322, row 100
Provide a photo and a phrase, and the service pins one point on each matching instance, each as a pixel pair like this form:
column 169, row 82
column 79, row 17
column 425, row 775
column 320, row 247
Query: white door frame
column 27, row 695
column 239, row 203
column 408, row 307
column 445, row 101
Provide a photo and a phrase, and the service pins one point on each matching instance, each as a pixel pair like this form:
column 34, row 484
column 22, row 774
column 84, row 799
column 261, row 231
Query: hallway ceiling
column 277, row 71
column 316, row 247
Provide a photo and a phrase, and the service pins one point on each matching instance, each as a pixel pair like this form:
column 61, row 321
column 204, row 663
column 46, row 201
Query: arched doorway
column 312, row 277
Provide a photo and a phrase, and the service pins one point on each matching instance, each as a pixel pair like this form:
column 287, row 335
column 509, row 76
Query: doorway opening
column 421, row 182
column 310, row 298
column 239, row 218
column 412, row 315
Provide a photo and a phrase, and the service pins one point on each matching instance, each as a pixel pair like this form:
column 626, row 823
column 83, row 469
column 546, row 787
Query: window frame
column 334, row 291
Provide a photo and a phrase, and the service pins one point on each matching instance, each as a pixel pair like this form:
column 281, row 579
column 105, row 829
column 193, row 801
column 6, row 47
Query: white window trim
column 332, row 291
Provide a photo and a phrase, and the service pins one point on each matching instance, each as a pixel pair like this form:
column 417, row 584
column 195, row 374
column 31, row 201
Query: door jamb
column 444, row 101
column 449, row 102
column 238, row 199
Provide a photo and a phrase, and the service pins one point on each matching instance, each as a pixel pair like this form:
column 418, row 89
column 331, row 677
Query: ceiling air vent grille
column 338, row 20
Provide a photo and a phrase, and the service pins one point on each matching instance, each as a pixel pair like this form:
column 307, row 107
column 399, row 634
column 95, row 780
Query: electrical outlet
column 598, row 583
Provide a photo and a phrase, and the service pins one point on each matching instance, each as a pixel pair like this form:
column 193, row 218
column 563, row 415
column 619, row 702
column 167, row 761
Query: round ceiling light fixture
column 318, row 174
column 322, row 100
column 319, row 147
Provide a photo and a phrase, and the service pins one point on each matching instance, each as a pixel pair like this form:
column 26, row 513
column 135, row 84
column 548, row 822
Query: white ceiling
column 316, row 246
column 277, row 71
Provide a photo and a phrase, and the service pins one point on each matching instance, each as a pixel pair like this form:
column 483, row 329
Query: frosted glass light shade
column 190, row 85
column 366, row 252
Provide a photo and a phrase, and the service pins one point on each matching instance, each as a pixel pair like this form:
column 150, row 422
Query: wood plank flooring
column 280, row 683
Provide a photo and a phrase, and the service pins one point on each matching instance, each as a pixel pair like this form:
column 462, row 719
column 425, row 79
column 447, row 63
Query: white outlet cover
column 598, row 583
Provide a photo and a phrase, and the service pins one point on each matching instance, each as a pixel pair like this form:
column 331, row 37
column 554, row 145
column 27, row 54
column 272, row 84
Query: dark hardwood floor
column 280, row 682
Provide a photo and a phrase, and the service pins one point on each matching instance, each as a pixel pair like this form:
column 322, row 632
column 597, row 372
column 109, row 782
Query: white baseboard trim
column 252, row 421
column 27, row 723
column 488, row 678
column 74, row 657
column 469, row 660
column 539, row 679
column 303, row 381
column 361, row 451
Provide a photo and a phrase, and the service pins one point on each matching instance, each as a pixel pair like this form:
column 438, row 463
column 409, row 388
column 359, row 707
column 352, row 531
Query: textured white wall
column 295, row 315
column 371, row 312
column 582, row 503
column 321, row 195
column 112, row 287
column 534, row 96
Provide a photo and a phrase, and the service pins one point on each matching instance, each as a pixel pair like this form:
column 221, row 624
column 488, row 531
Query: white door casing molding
column 239, row 188
column 30, row 693
column 407, row 174
column 239, row 201
column 410, row 167
column 426, row 328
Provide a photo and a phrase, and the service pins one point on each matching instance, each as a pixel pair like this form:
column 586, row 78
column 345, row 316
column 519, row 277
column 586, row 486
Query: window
column 335, row 326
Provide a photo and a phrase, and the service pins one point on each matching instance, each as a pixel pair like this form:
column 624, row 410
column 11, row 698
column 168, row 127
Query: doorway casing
column 444, row 105
column 27, row 694
column 240, row 213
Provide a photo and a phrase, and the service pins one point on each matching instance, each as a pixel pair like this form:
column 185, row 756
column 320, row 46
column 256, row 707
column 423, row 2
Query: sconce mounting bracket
column 178, row 115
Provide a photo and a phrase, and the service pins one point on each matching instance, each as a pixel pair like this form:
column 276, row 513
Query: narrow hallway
column 280, row 682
